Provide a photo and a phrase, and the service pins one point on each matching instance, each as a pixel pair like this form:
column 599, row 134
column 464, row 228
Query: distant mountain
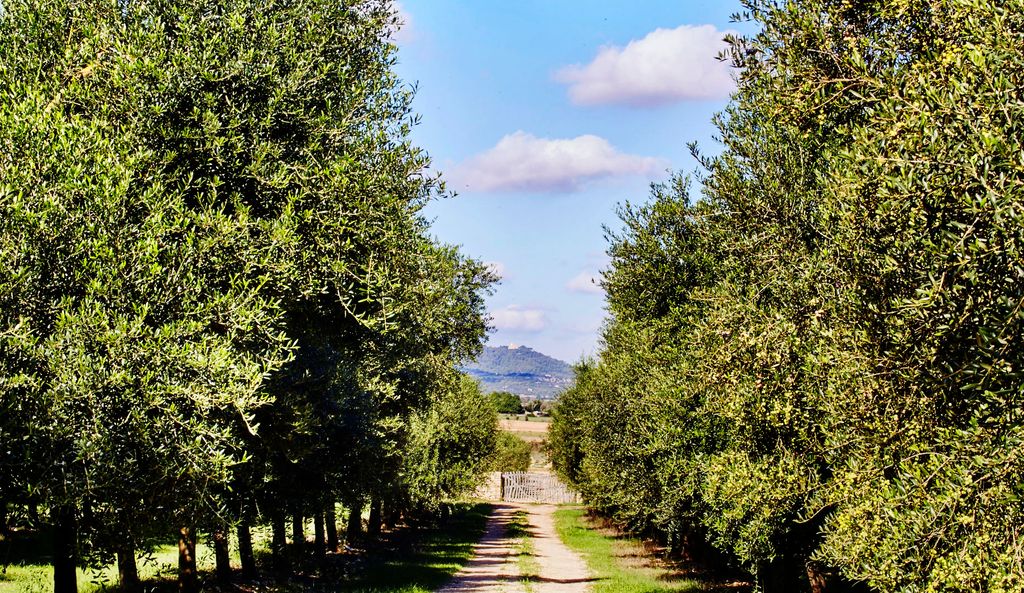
column 521, row 370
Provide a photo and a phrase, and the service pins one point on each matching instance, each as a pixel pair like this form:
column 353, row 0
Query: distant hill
column 521, row 370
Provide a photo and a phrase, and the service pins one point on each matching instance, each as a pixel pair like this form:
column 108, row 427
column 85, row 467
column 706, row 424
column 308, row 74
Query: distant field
column 532, row 420
column 532, row 430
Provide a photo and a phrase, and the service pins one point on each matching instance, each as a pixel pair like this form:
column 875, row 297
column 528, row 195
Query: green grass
column 612, row 560
column 36, row 576
column 25, row 565
column 526, row 559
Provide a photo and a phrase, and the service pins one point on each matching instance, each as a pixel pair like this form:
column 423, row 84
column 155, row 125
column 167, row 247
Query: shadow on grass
column 425, row 557
column 407, row 559
column 627, row 564
column 518, row 526
column 26, row 547
column 712, row 570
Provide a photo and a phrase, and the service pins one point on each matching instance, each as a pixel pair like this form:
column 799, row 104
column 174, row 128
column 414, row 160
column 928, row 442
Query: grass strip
column 526, row 557
column 607, row 558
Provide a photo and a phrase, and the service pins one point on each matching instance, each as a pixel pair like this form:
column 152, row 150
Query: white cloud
column 516, row 318
column 666, row 66
column 587, row 282
column 523, row 162
column 498, row 268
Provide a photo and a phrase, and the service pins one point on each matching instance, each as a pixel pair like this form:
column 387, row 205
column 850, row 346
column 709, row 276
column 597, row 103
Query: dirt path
column 495, row 564
column 560, row 569
column 493, row 568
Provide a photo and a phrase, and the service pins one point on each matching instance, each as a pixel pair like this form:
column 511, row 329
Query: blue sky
column 543, row 116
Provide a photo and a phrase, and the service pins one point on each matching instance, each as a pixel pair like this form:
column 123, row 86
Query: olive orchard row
column 219, row 302
column 817, row 367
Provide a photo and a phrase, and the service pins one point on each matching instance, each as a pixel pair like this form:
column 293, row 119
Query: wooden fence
column 535, row 487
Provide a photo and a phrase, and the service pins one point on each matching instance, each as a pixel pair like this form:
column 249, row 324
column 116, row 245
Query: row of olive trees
column 817, row 368
column 219, row 303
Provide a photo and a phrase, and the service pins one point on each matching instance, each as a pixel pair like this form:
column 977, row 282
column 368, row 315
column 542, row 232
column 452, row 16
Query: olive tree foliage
column 302, row 117
column 354, row 387
column 511, row 453
column 630, row 432
column 136, row 336
column 816, row 364
column 944, row 198
column 450, row 443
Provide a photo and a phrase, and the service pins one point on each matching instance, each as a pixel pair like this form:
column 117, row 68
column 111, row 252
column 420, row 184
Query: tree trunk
column 332, row 528
column 245, row 551
column 278, row 542
column 391, row 513
column 690, row 546
column 33, row 514
column 127, row 569
column 188, row 579
column 221, row 555
column 5, row 528
column 373, row 522
column 673, row 543
column 355, row 523
column 808, row 537
column 319, row 537
column 65, row 545
column 298, row 531
column 818, row 578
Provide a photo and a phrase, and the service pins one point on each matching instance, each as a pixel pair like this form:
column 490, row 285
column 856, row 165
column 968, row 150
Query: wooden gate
column 535, row 487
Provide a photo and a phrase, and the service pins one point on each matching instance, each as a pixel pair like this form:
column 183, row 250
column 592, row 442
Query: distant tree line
column 220, row 305
column 506, row 402
column 817, row 368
